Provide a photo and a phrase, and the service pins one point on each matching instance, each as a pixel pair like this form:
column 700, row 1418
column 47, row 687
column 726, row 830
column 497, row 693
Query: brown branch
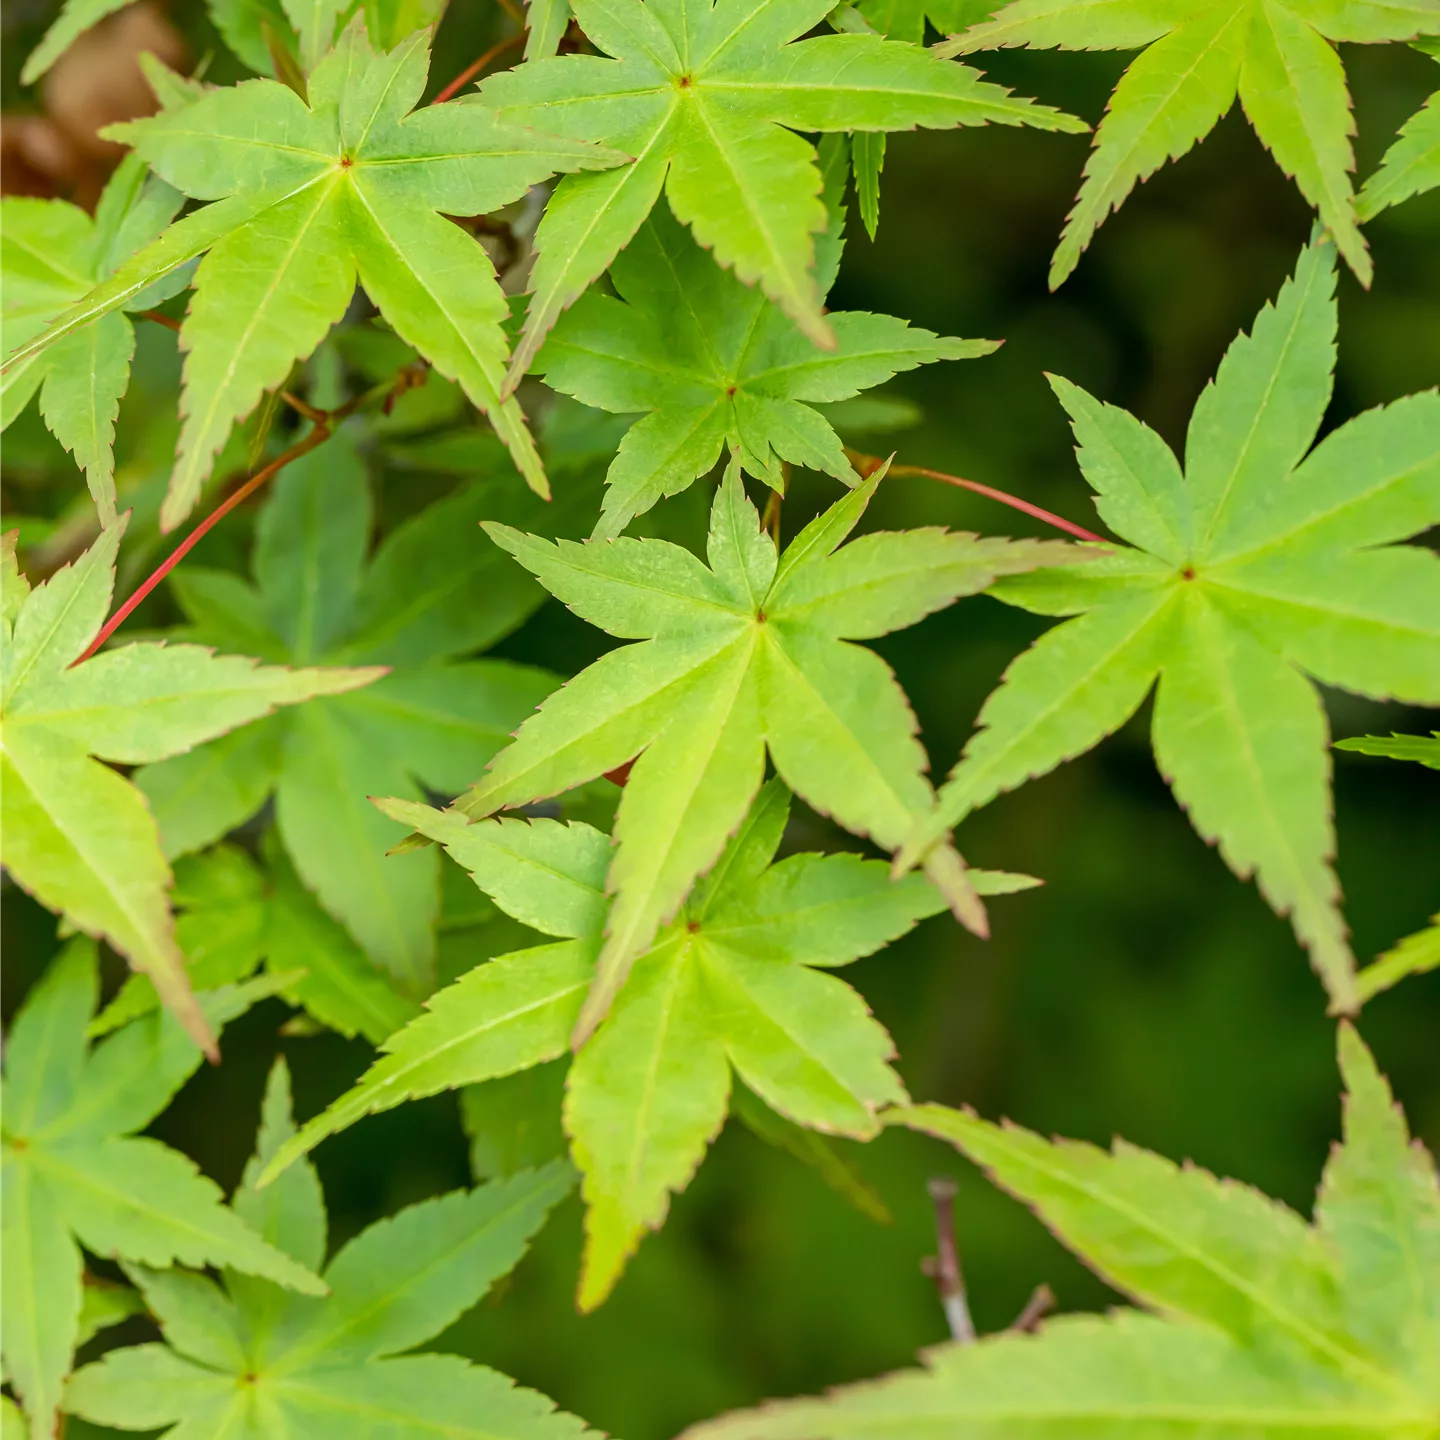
column 868, row 464
column 159, row 319
column 944, row 1267
column 471, row 71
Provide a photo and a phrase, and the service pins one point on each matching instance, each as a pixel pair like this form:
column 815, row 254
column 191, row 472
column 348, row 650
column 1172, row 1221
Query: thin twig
column 159, row 319
column 1037, row 1307
column 944, row 1266
column 867, row 464
column 471, row 71
column 316, row 437
column 325, row 422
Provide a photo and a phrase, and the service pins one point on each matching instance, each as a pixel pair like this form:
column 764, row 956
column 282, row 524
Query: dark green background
column 1144, row 991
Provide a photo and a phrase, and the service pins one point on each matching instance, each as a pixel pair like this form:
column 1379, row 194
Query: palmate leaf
column 76, row 1174
column 713, row 364
column 736, row 981
column 701, row 94
column 434, row 590
column 748, row 655
column 1257, row 571
column 51, row 254
column 232, row 917
column 306, row 199
column 1261, row 1327
column 244, row 1359
column 75, row 833
column 1412, row 164
column 1277, row 55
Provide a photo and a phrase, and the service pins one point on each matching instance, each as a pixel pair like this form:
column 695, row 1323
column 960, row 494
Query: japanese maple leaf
column 700, row 94
column 1257, row 571
column 1411, row 165
column 51, row 254
column 306, row 198
column 232, row 916
column 76, row 1172
column 715, row 364
column 750, row 654
column 434, row 591
column 1253, row 1322
column 738, row 980
column 243, row 1358
column 1277, row 55
column 75, row 834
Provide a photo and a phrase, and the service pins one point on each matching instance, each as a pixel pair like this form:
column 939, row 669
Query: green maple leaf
column 1254, row 1325
column 76, row 1173
column 714, row 364
column 244, row 1359
column 700, row 94
column 737, row 980
column 76, row 834
column 434, row 590
column 1277, row 55
column 51, row 254
column 306, row 197
column 232, row 917
column 1411, row 165
column 1258, row 570
column 749, row 654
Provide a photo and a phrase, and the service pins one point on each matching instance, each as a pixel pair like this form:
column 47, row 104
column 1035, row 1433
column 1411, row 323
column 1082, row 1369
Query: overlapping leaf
column 1260, row 1325
column 51, row 254
column 1257, row 571
column 1412, row 164
column 76, row 834
column 76, row 1174
column 750, row 654
column 435, row 590
column 701, row 94
column 232, row 916
column 306, row 199
column 712, row 364
column 1278, row 56
column 737, row 981
column 246, row 1359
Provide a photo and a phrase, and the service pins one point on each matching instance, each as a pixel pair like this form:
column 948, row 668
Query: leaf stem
column 1037, row 1307
column 325, row 422
column 944, row 1266
column 866, row 464
column 159, row 319
column 471, row 71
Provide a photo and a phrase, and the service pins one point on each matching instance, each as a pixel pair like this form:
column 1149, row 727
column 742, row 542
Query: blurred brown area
column 97, row 82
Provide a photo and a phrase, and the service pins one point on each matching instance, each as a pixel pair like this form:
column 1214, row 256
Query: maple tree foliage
column 1277, row 56
column 1258, row 566
column 724, row 985
column 75, row 833
column 1250, row 1320
column 588, row 895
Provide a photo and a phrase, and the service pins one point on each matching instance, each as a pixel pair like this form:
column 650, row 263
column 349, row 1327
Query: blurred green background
column 1144, row 991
